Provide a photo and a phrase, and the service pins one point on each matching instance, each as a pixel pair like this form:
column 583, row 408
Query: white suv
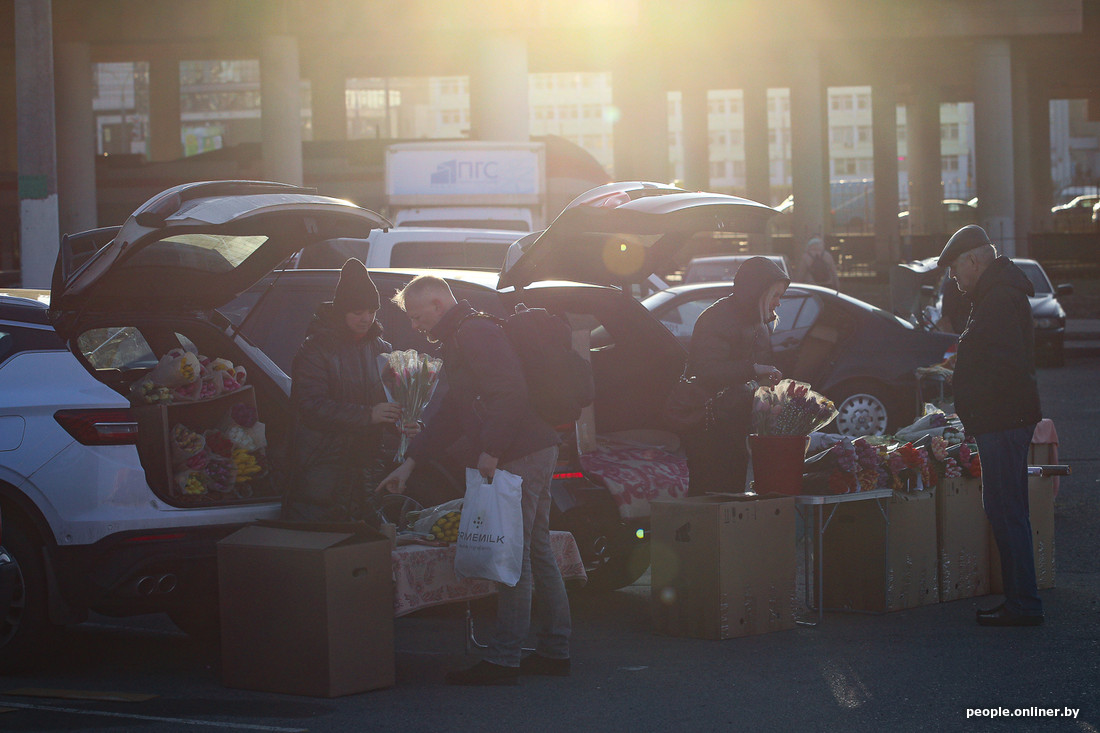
column 91, row 516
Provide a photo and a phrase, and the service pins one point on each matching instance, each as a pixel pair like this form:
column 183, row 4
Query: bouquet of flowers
column 410, row 379
column 790, row 408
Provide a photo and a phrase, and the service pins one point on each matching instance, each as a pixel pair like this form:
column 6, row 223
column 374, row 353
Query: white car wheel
column 861, row 414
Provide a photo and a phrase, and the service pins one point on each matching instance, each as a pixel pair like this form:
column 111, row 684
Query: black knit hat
column 355, row 291
column 969, row 237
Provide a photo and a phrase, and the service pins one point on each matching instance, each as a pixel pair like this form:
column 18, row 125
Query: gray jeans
column 540, row 574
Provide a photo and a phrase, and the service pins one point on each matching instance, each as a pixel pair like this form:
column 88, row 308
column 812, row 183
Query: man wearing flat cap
column 997, row 399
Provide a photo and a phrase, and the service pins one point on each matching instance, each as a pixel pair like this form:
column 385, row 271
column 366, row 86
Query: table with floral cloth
column 424, row 576
column 636, row 474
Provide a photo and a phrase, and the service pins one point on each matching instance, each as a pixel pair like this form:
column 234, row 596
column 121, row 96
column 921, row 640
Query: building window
column 845, row 167
column 718, row 169
column 949, row 131
column 863, row 134
column 949, row 164
column 863, row 101
column 842, row 136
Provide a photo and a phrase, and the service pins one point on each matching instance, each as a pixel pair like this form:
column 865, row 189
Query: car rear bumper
column 141, row 572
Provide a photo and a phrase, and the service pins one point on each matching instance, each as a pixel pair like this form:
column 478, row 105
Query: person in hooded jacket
column 730, row 351
column 997, row 399
column 341, row 414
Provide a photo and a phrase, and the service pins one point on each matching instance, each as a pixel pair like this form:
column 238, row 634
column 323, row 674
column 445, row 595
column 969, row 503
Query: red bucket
column 777, row 463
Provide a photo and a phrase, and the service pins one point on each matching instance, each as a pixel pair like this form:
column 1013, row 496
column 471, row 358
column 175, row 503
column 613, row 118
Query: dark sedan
column 861, row 357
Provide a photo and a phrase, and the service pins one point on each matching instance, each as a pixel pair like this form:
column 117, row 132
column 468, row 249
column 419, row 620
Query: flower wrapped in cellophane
column 410, row 379
column 790, row 408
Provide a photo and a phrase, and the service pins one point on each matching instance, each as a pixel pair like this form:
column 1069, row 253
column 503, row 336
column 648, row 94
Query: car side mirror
column 1063, row 289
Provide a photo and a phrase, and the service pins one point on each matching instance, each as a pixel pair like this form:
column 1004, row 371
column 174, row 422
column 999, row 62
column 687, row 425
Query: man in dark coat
column 997, row 399
column 730, row 347
column 340, row 408
column 487, row 415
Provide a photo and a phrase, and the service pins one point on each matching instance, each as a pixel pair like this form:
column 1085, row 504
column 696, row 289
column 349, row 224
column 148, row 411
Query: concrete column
column 499, row 107
column 1021, row 151
column 165, row 130
column 281, row 109
column 1042, row 183
column 9, row 148
column 884, row 134
column 75, row 137
column 694, row 112
column 328, row 103
column 993, row 148
column 758, row 174
column 38, row 206
column 640, row 98
column 925, row 176
column 809, row 152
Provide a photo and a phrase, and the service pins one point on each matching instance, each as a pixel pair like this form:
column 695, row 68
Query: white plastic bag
column 427, row 517
column 490, row 535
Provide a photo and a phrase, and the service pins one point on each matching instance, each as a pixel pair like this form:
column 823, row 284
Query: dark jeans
column 1004, row 493
column 718, row 459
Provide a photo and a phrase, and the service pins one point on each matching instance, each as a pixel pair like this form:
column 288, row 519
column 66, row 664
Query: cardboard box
column 962, row 539
column 306, row 611
column 723, row 566
column 1041, row 503
column 862, row 573
column 155, row 423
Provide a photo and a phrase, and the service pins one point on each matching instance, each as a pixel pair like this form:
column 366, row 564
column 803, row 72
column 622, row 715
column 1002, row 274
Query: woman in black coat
column 730, row 348
column 341, row 414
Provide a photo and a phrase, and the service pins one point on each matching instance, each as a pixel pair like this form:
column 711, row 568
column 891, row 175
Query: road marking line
column 80, row 694
column 156, row 718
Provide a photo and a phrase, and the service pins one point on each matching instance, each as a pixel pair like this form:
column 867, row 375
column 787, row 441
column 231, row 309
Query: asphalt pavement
column 925, row 669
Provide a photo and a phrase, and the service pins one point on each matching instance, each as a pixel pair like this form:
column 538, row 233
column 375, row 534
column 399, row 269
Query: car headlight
column 1045, row 323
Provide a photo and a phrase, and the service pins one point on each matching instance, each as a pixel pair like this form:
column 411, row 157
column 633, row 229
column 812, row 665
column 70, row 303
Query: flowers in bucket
column 410, row 379
column 790, row 408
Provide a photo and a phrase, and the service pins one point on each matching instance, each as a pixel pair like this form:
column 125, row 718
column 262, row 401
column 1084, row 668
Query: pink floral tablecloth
column 424, row 576
column 636, row 474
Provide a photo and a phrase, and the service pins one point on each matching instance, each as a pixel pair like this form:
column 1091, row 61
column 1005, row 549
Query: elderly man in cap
column 997, row 398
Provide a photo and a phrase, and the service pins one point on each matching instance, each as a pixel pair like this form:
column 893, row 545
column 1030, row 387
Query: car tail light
column 567, row 475
column 99, row 427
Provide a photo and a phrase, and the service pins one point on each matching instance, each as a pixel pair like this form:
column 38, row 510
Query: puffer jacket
column 336, row 381
column 729, row 336
column 994, row 380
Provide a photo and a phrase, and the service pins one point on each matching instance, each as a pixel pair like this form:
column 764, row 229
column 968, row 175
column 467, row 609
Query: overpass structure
column 1009, row 57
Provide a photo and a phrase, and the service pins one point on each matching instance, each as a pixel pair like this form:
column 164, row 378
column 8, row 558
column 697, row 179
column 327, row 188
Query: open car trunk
column 222, row 444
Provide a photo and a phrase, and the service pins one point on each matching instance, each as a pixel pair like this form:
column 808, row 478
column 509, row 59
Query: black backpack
column 559, row 380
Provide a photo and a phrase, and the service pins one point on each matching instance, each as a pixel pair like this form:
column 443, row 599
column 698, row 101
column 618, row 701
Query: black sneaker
column 537, row 664
column 484, row 673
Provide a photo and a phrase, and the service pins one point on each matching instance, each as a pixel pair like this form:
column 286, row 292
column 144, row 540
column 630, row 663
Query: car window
column 449, row 255
column 213, row 253
column 1038, row 278
column 681, row 319
column 116, row 347
column 14, row 340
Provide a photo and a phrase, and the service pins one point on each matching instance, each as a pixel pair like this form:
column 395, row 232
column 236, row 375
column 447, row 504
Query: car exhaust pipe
column 146, row 585
column 166, row 583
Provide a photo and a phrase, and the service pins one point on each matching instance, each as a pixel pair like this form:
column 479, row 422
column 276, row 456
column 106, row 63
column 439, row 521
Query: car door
column 797, row 312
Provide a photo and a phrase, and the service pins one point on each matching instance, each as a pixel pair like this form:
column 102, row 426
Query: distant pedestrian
column 997, row 398
column 487, row 417
column 817, row 266
column 730, row 347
